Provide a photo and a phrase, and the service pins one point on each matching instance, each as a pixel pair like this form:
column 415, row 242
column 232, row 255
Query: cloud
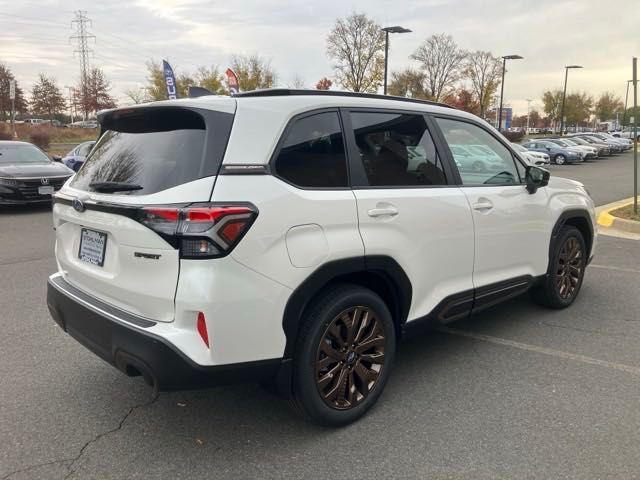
column 548, row 33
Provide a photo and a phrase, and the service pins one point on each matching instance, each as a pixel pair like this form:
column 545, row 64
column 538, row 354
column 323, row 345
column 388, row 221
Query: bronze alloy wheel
column 569, row 268
column 350, row 358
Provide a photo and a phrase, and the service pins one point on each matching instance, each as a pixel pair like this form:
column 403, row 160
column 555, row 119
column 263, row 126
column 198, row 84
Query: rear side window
column 397, row 149
column 312, row 154
column 156, row 149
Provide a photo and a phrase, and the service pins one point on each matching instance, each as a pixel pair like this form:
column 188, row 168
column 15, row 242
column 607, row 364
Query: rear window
column 156, row 149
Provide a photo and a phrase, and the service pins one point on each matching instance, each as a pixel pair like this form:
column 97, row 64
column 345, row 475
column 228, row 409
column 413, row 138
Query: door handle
column 380, row 212
column 483, row 206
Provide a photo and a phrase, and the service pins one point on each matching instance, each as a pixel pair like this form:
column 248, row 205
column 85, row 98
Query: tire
column 322, row 370
column 562, row 282
column 559, row 159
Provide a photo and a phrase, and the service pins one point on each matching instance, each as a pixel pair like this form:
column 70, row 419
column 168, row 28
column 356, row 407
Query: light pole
column 70, row 90
column 626, row 98
column 528, row 114
column 564, row 95
column 504, row 66
column 387, row 31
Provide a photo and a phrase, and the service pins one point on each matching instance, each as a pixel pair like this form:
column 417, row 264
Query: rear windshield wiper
column 115, row 186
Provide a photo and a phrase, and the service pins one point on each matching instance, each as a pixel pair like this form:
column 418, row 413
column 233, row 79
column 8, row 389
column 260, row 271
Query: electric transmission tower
column 82, row 36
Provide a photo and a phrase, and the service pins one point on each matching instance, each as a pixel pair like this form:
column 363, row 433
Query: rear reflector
column 202, row 328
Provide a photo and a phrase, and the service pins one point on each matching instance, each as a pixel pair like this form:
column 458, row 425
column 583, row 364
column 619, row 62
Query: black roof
column 282, row 92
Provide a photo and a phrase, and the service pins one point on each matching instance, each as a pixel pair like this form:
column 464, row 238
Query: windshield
column 570, row 142
column 21, row 153
column 519, row 148
column 579, row 141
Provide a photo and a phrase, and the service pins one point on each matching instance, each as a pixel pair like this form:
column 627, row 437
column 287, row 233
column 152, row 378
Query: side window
column 396, row 149
column 83, row 150
column 480, row 157
column 312, row 154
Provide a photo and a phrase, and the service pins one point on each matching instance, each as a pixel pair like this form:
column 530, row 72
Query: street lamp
column 387, row 31
column 626, row 98
column 564, row 95
column 504, row 66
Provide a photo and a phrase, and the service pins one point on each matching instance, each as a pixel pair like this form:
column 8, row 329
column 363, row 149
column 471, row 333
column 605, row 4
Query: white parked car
column 626, row 133
column 532, row 158
column 294, row 237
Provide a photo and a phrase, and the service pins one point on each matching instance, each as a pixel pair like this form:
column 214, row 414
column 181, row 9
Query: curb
column 605, row 219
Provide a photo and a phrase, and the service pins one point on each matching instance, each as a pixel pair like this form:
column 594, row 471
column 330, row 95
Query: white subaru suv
column 294, row 237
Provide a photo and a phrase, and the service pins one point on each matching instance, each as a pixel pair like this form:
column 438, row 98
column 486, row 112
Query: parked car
column 596, row 142
column 626, row 133
column 28, row 175
column 602, row 148
column 35, row 121
column 84, row 124
column 614, row 146
column 587, row 152
column 76, row 157
column 218, row 239
column 558, row 154
column 627, row 143
column 532, row 157
column 474, row 158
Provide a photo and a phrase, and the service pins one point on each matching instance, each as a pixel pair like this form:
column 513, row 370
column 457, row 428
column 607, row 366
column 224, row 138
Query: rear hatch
column 115, row 219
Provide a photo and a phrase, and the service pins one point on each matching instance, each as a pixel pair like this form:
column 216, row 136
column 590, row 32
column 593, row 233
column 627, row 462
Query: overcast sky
column 549, row 34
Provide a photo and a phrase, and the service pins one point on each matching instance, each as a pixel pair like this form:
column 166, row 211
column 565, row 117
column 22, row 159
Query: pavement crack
column 74, row 460
column 584, row 330
column 35, row 465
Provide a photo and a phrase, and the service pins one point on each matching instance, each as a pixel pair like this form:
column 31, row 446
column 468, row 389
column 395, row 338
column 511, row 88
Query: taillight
column 201, row 325
column 201, row 230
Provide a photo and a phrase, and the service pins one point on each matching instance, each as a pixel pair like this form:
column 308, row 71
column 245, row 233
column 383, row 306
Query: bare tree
column 441, row 60
column 296, row 82
column 138, row 95
column 483, row 70
column 356, row 46
column 253, row 72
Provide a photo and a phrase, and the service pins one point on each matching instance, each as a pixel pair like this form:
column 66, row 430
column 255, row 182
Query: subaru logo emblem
column 78, row 206
column 44, row 181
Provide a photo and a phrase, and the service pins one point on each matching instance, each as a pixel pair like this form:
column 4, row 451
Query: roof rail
column 282, row 92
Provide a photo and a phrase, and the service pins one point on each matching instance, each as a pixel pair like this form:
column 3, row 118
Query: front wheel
column 560, row 159
column 566, row 270
column 343, row 356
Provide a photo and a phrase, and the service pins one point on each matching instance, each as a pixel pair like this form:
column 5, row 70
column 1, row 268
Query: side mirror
column 536, row 178
column 56, row 158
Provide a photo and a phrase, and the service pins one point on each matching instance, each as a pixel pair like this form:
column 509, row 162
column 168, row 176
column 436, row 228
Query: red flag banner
column 232, row 81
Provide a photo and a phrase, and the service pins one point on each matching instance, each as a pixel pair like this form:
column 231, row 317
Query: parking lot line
column 543, row 350
column 617, row 269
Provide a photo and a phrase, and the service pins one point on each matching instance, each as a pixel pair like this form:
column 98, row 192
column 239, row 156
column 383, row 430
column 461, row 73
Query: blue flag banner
column 170, row 81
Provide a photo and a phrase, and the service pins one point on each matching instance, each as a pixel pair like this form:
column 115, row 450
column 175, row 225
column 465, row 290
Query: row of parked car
column 573, row 148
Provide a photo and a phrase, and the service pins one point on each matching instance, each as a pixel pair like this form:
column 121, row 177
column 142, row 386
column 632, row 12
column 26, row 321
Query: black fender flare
column 562, row 221
column 383, row 267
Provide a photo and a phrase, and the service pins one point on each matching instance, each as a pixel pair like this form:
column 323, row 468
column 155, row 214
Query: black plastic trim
column 281, row 92
column 464, row 304
column 562, row 220
column 134, row 350
column 385, row 268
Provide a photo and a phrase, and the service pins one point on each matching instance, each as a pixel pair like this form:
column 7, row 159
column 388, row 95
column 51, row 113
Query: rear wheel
column 559, row 159
column 343, row 356
column 566, row 270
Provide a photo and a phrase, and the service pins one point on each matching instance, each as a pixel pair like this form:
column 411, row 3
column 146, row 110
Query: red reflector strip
column 204, row 214
column 202, row 328
column 232, row 230
column 169, row 214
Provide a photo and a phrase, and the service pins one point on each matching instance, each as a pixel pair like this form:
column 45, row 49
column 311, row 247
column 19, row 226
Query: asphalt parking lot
column 517, row 392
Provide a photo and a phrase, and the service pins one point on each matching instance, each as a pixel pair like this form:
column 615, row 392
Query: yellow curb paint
column 605, row 219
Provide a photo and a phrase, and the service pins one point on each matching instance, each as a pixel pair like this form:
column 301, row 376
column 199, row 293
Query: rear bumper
column 122, row 340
